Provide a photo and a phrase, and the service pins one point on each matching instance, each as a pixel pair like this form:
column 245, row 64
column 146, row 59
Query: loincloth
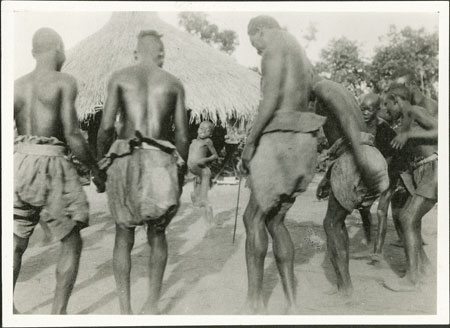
column 143, row 184
column 285, row 158
column 421, row 177
column 345, row 178
column 46, row 184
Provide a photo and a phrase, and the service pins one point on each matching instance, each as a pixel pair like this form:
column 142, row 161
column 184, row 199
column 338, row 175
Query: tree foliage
column 416, row 50
column 408, row 48
column 341, row 61
column 196, row 23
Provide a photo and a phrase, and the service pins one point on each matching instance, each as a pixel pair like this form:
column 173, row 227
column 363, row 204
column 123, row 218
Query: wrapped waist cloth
column 285, row 159
column 345, row 177
column 295, row 122
column 46, row 183
column 421, row 178
column 142, row 184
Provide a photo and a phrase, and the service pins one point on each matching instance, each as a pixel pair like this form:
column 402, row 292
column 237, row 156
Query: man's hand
column 99, row 179
column 400, row 140
column 247, row 155
column 323, row 189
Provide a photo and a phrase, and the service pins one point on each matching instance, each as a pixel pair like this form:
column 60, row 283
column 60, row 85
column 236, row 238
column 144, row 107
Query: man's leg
column 256, row 244
column 20, row 245
column 123, row 245
column 157, row 264
column 67, row 270
column 283, row 249
column 47, row 233
column 382, row 212
column 411, row 222
column 399, row 202
column 366, row 218
column 337, row 241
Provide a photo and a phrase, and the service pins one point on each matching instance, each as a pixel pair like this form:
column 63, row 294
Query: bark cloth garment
column 421, row 177
column 142, row 183
column 46, row 183
column 285, row 159
column 345, row 178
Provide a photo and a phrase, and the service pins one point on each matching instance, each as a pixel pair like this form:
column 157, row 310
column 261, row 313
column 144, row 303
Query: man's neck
column 148, row 62
column 46, row 64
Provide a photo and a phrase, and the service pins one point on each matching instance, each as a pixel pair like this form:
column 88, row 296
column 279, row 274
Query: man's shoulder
column 172, row 79
column 64, row 79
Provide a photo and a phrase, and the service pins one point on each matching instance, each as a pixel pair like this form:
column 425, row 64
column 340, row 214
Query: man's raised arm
column 106, row 130
column 72, row 134
column 425, row 120
column 181, row 125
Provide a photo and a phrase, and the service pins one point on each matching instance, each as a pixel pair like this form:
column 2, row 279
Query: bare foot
column 361, row 255
column 341, row 293
column 400, row 284
column 251, row 308
column 397, row 243
column 150, row 309
column 378, row 261
column 290, row 310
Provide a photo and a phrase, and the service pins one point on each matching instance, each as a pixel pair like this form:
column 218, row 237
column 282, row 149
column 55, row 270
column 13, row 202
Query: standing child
column 201, row 154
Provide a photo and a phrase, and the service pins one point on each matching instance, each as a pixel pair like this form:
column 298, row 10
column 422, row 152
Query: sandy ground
column 206, row 272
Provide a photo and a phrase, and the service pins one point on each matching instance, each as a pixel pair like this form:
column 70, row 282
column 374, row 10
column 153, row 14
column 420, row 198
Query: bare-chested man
column 420, row 181
column 409, row 79
column 380, row 125
column 280, row 154
column 357, row 176
column 46, row 184
column 146, row 171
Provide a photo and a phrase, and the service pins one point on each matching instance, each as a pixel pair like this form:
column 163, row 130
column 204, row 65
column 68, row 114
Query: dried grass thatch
column 217, row 88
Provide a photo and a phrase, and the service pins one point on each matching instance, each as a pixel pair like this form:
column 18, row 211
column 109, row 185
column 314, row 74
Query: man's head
column 47, row 43
column 370, row 105
column 150, row 47
column 397, row 96
column 257, row 28
column 404, row 77
column 205, row 130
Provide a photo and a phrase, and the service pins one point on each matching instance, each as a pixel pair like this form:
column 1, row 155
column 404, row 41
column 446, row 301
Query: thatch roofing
column 217, row 87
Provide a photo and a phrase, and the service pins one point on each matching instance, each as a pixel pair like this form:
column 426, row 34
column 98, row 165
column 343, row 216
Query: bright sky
column 366, row 28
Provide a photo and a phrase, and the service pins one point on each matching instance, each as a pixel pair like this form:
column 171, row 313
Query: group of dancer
column 141, row 159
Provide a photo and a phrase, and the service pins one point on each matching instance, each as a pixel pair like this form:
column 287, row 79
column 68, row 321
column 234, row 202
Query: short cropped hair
column 262, row 21
column 400, row 91
column 153, row 33
column 45, row 39
column 408, row 73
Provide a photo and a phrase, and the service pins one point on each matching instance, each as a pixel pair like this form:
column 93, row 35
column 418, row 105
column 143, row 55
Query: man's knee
column 328, row 223
column 73, row 238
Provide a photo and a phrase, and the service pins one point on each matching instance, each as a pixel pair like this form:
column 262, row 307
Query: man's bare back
column 148, row 96
column 287, row 56
column 332, row 96
column 37, row 103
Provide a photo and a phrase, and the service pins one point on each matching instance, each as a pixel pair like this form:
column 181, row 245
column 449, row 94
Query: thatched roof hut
column 217, row 87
